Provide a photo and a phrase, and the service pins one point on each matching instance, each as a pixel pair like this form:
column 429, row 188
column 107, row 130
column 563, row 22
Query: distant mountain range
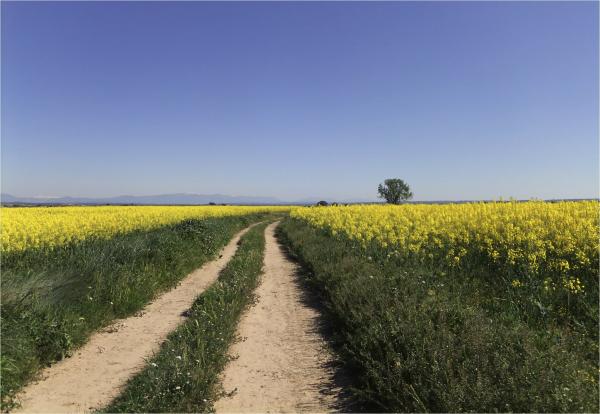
column 199, row 199
column 180, row 199
column 162, row 199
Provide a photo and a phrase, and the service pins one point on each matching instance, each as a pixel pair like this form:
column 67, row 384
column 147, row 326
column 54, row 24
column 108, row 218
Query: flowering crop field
column 545, row 251
column 46, row 227
column 460, row 307
column 551, row 246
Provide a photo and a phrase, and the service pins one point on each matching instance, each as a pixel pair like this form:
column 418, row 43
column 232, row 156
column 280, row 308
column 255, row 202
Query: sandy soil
column 282, row 361
column 94, row 375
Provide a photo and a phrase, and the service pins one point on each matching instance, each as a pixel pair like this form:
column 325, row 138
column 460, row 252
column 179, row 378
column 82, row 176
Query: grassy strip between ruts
column 53, row 300
column 416, row 343
column 183, row 375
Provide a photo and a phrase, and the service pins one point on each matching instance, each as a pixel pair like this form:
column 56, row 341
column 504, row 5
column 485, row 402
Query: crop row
column 48, row 227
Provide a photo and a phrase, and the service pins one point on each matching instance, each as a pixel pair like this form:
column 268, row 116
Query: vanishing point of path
column 96, row 373
column 282, row 363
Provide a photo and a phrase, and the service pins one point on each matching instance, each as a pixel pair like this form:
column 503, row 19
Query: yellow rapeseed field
column 35, row 227
column 553, row 245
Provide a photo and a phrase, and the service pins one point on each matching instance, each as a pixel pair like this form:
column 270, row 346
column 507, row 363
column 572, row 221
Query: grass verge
column 183, row 375
column 53, row 300
column 416, row 342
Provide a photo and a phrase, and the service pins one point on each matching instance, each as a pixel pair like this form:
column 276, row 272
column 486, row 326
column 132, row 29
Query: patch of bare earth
column 96, row 373
column 282, row 364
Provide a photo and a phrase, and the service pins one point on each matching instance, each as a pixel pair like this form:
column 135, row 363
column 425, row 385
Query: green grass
column 422, row 339
column 183, row 375
column 52, row 300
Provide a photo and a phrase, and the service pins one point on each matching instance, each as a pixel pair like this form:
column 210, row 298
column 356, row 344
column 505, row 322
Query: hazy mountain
column 203, row 199
column 179, row 199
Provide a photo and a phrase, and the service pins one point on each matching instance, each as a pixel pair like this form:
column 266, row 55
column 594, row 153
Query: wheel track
column 282, row 363
column 96, row 373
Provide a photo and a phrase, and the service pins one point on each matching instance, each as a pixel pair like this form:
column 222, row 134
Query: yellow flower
column 573, row 285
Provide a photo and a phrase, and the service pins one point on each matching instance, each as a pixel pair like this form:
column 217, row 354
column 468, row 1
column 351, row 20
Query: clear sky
column 472, row 100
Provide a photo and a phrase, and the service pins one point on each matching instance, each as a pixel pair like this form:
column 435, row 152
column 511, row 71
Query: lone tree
column 394, row 190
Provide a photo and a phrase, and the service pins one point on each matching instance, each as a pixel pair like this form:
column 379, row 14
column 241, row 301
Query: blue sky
column 471, row 100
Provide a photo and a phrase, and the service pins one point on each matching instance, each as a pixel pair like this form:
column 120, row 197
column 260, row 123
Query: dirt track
column 92, row 377
column 282, row 363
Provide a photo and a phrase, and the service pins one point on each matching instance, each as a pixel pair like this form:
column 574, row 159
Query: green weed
column 418, row 342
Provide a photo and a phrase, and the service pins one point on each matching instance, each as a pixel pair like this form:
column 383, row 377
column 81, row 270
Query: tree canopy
column 394, row 191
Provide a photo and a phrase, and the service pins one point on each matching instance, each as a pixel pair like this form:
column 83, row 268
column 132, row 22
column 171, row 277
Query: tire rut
column 96, row 373
column 282, row 364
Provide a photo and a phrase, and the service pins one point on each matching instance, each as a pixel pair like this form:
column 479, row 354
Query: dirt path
column 282, row 360
column 94, row 375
